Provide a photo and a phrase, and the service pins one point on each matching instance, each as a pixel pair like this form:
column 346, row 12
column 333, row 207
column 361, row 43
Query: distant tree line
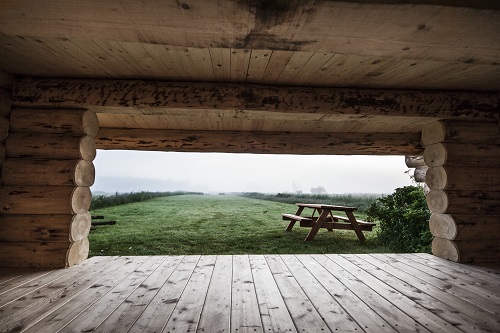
column 103, row 201
column 360, row 201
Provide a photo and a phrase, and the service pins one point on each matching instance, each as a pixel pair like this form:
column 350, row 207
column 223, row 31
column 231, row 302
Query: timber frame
column 410, row 78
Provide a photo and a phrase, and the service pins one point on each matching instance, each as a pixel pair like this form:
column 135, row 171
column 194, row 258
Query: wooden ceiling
column 416, row 45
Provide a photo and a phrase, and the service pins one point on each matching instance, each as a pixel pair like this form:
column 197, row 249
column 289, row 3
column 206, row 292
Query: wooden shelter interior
column 368, row 77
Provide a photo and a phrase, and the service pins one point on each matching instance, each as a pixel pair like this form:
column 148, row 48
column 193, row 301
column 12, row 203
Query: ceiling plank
column 463, row 31
column 102, row 94
column 260, row 142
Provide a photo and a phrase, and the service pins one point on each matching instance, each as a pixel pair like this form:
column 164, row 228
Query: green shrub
column 404, row 220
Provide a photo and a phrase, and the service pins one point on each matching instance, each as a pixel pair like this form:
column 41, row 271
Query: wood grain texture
column 34, row 255
column 419, row 174
column 78, row 252
column 275, row 26
column 460, row 132
column 44, row 228
column 467, row 251
column 45, row 199
column 22, row 171
column 259, row 142
column 328, row 293
column 415, row 161
column 4, row 128
column 5, row 81
column 5, row 102
column 464, row 202
column 178, row 95
column 462, row 178
column 465, row 227
column 50, row 146
column 462, row 154
column 62, row 121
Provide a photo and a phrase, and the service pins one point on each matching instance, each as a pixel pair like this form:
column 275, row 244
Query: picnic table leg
column 292, row 222
column 355, row 226
column 317, row 225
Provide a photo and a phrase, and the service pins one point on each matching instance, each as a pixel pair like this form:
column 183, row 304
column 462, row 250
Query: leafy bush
column 404, row 220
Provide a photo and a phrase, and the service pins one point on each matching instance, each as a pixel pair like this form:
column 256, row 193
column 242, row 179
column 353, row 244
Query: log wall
column 5, row 106
column 464, row 182
column 45, row 188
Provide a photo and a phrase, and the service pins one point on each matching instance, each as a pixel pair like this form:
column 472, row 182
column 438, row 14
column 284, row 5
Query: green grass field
column 213, row 224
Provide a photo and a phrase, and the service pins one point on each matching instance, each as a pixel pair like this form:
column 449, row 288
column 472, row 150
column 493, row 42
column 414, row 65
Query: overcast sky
column 132, row 171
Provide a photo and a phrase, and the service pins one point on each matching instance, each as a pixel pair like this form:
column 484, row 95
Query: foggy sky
column 132, row 171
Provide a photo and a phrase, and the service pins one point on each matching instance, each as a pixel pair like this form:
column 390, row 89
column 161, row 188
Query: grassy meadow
column 213, row 224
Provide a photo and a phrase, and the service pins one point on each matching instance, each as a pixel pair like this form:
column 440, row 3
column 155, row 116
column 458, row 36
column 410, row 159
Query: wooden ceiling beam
column 260, row 142
column 463, row 31
column 102, row 95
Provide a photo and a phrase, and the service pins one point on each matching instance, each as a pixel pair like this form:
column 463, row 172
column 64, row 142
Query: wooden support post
column 45, row 195
column 465, row 198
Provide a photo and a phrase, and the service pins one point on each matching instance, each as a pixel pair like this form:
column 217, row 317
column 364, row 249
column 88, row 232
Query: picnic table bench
column 326, row 219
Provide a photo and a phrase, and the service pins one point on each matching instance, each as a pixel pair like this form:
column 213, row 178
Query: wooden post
column 45, row 195
column 464, row 179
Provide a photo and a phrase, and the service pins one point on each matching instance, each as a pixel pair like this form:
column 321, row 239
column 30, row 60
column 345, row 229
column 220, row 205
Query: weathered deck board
column 253, row 293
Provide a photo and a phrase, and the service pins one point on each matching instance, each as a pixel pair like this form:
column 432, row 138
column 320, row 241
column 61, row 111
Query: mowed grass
column 213, row 224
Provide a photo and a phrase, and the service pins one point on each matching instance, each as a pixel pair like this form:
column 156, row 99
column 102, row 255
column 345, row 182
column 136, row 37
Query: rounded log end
column 77, row 253
column 435, row 155
column 414, row 161
column 90, row 123
column 81, row 199
column 84, row 173
column 445, row 249
column 432, row 133
column 443, row 225
column 87, row 148
column 436, row 178
column 437, row 200
column 80, row 227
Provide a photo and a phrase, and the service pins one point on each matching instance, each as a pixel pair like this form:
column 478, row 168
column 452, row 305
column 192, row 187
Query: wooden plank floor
column 254, row 293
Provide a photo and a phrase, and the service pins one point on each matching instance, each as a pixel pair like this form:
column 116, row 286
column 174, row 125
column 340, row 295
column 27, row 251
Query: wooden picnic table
column 323, row 217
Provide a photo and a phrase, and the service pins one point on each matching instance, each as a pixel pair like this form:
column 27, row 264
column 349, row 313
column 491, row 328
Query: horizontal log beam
column 464, row 202
column 462, row 154
column 465, row 227
column 50, row 146
column 260, row 142
column 44, row 254
column 5, row 102
column 462, row 178
column 473, row 251
column 461, row 132
column 44, row 200
column 100, row 95
column 62, row 121
column 21, row 171
column 44, row 228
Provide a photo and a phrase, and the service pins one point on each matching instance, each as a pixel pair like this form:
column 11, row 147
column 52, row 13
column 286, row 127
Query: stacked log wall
column 5, row 106
column 464, row 182
column 45, row 194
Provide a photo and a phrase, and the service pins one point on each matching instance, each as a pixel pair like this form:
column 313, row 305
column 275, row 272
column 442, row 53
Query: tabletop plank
column 324, row 206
